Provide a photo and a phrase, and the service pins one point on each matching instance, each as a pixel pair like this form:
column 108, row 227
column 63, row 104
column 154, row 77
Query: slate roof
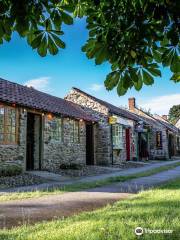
column 31, row 98
column 166, row 123
column 112, row 109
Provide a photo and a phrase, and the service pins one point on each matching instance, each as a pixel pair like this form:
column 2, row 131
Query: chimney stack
column 165, row 117
column 132, row 103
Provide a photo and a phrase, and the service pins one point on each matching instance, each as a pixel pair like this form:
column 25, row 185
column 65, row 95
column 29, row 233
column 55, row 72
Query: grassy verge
column 83, row 186
column 153, row 209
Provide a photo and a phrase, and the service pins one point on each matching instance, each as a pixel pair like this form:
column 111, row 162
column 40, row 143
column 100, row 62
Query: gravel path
column 18, row 212
column 63, row 182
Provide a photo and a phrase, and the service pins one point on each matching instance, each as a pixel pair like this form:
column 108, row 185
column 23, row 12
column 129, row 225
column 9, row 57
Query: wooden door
column 89, row 144
column 30, row 142
column 128, row 145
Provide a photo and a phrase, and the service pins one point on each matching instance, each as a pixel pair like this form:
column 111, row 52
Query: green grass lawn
column 83, row 186
column 153, row 209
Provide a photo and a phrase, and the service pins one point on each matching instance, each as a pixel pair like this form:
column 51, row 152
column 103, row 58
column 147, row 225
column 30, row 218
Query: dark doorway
column 33, row 142
column 171, row 145
column 128, row 144
column 143, row 146
column 89, row 145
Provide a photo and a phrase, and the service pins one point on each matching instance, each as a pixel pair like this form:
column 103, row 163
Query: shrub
column 10, row 170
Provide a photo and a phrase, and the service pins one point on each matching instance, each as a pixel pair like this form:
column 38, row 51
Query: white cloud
column 96, row 87
column 161, row 104
column 41, row 83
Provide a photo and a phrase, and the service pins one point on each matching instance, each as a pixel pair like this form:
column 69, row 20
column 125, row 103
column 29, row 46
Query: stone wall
column 56, row 153
column 156, row 126
column 156, row 153
column 103, row 147
column 102, row 136
column 16, row 152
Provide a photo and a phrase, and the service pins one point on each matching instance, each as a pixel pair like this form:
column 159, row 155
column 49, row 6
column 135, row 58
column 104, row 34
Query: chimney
column 165, row 117
column 132, row 103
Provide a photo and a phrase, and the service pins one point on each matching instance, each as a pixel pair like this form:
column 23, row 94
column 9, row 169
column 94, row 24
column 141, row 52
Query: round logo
column 138, row 231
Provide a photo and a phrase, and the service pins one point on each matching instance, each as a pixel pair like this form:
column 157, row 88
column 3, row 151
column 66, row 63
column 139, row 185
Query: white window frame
column 117, row 136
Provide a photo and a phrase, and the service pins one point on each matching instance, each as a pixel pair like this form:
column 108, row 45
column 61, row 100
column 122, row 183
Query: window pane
column 53, row 128
column 117, row 134
column 8, row 125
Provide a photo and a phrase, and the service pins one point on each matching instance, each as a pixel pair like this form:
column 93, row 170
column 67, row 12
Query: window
column 117, row 132
column 75, row 134
column 53, row 128
column 8, row 125
column 159, row 139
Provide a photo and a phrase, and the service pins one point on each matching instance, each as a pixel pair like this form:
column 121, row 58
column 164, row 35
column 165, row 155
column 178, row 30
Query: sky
column 56, row 75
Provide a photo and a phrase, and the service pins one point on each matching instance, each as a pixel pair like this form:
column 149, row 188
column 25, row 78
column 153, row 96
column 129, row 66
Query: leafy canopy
column 134, row 36
column 174, row 114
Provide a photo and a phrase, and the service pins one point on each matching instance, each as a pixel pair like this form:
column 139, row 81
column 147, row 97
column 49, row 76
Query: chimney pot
column 132, row 103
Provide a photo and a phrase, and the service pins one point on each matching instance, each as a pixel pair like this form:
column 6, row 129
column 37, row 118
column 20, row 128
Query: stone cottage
column 114, row 133
column 122, row 135
column 41, row 131
column 159, row 141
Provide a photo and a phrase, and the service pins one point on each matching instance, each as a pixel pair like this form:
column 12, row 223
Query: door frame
column 40, row 138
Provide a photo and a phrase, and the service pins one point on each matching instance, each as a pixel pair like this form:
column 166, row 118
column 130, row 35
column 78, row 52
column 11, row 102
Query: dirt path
column 18, row 212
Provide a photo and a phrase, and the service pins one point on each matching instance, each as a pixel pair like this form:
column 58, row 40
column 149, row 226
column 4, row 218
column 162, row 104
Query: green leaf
column 167, row 57
column 133, row 54
column 52, row 46
column 66, row 18
column 176, row 77
column 120, row 88
column 37, row 41
column 112, row 80
column 165, row 41
column 57, row 18
column 157, row 55
column 133, row 74
column 175, row 66
column 58, row 41
column 147, row 78
column 127, row 81
column 155, row 72
column 48, row 24
column 42, row 49
column 101, row 55
column 139, row 83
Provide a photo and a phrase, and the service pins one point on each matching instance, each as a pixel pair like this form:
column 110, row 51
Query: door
column 33, row 141
column 143, row 145
column 89, row 145
column 128, row 144
column 171, row 145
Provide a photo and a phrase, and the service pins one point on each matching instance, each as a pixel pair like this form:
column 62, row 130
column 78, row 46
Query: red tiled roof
column 31, row 98
column 113, row 109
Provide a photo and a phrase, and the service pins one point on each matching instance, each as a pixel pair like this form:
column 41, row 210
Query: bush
column 10, row 170
column 73, row 166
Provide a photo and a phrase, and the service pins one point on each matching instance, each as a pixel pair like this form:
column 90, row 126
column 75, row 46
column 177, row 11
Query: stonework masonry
column 102, row 130
column 103, row 145
column 16, row 152
column 53, row 153
column 156, row 126
column 56, row 153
